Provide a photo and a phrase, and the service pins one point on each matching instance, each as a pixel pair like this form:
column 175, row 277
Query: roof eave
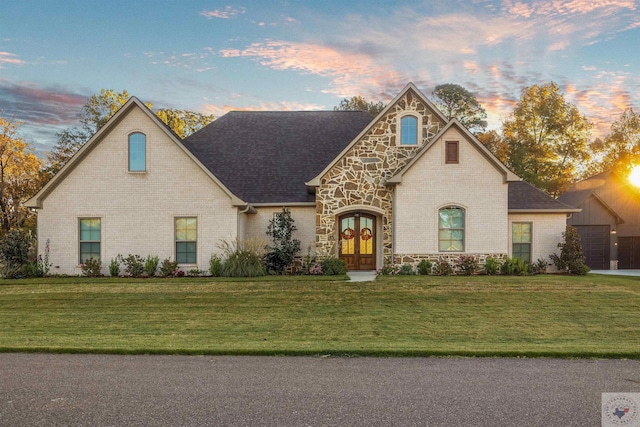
column 544, row 211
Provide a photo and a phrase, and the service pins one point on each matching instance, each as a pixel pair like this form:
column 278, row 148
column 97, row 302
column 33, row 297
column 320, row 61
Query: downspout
column 247, row 209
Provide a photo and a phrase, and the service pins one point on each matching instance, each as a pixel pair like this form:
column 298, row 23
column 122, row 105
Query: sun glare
column 635, row 176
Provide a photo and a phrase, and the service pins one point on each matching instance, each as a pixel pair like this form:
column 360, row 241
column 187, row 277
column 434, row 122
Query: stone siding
column 358, row 179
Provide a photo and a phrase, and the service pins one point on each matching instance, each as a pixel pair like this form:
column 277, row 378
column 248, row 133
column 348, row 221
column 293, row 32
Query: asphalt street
column 108, row 390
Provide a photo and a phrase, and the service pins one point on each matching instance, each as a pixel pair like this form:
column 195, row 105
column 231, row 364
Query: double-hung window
column 451, row 229
column 186, row 237
column 89, row 239
column 521, row 240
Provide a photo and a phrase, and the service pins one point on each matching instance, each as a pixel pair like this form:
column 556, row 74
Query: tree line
column 545, row 140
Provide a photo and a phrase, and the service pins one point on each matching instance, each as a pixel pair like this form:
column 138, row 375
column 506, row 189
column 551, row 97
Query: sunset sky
column 212, row 56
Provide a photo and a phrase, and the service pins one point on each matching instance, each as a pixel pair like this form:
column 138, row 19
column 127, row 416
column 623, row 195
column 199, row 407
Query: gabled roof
column 266, row 157
column 409, row 87
column 525, row 198
column 133, row 102
column 508, row 175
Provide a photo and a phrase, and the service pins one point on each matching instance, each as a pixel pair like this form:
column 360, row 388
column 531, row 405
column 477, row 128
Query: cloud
column 219, row 110
column 10, row 58
column 226, row 13
column 43, row 111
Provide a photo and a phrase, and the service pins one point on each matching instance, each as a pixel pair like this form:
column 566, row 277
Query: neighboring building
column 404, row 186
column 609, row 221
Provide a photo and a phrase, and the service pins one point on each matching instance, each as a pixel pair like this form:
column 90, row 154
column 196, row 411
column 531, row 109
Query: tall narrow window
column 451, row 152
column 521, row 240
column 186, row 240
column 89, row 239
column 408, row 130
column 451, row 229
column 137, row 152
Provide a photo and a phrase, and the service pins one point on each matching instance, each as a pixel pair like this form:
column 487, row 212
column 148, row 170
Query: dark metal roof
column 524, row 196
column 268, row 156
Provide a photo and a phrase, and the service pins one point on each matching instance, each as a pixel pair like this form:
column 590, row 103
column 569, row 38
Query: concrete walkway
column 362, row 276
column 617, row 272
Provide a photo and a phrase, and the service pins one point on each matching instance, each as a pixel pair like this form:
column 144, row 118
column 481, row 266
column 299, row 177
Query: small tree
column 14, row 252
column 282, row 252
column 571, row 257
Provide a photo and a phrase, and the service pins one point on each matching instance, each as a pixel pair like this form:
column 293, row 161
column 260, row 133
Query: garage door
column 629, row 252
column 595, row 240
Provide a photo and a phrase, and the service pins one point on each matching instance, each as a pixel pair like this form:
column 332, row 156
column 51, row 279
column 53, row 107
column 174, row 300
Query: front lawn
column 546, row 315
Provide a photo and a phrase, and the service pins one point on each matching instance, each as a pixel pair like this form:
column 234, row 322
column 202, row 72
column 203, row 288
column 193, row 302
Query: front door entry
column 357, row 241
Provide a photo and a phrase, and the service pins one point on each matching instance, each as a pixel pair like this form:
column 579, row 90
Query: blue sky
column 213, row 56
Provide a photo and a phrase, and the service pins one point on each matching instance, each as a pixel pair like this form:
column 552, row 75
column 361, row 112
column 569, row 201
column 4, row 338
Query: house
column 404, row 186
column 609, row 221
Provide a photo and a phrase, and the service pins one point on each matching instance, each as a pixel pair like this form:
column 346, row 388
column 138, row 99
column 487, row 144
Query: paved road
column 99, row 390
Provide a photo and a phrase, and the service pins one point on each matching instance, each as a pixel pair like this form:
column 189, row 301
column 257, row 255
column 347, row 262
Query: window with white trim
column 89, row 238
column 186, row 239
column 451, row 229
column 137, row 152
column 521, row 238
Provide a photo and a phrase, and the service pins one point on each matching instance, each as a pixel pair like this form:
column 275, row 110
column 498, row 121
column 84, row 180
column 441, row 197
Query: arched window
column 409, row 130
column 451, row 229
column 137, row 152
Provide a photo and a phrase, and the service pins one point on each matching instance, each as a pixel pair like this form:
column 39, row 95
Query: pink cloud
column 10, row 58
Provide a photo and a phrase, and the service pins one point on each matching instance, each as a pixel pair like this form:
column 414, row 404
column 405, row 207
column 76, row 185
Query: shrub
column 424, row 267
column 540, row 266
column 194, row 272
column 133, row 265
column 215, row 265
column 242, row 259
column 406, row 270
column 571, row 257
column 514, row 267
column 91, row 267
column 178, row 273
column 281, row 253
column 388, row 269
column 315, row 269
column 14, row 252
column 168, row 267
column 468, row 264
column 492, row 266
column 443, row 268
column 151, row 265
column 114, row 266
column 333, row 267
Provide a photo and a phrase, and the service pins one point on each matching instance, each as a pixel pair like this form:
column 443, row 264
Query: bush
column 133, row 265
column 406, row 270
column 514, row 267
column 333, row 267
column 14, row 252
column 194, row 272
column 443, row 268
column 282, row 252
column 540, row 266
column 468, row 264
column 492, row 266
column 91, row 267
column 388, row 269
column 215, row 265
column 315, row 269
column 151, row 265
column 168, row 267
column 242, row 259
column 571, row 257
column 424, row 267
column 114, row 266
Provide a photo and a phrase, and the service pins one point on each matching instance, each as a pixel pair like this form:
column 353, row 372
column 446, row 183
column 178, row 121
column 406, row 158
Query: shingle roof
column 524, row 196
column 268, row 156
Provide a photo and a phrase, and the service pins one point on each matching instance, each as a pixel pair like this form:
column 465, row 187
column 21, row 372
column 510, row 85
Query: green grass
column 547, row 315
